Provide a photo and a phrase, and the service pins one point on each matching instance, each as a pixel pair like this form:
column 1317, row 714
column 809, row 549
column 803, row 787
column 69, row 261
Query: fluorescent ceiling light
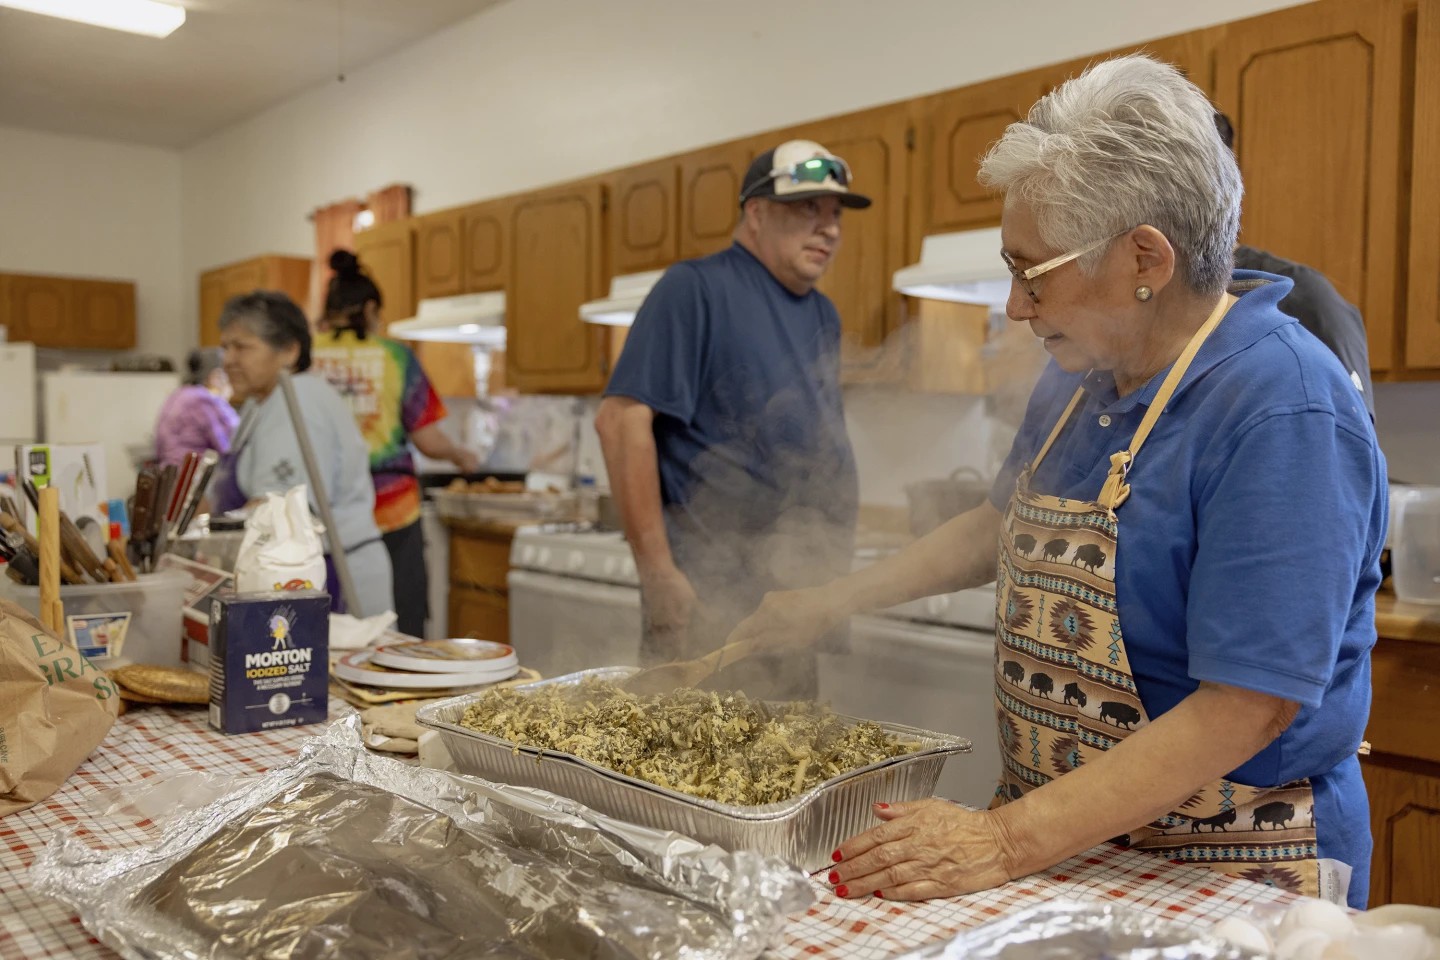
column 961, row 267
column 627, row 292
column 147, row 17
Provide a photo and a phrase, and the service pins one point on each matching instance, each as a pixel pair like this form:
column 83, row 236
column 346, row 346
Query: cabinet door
column 102, row 315
column 439, row 255
column 557, row 259
column 1405, row 822
column 872, row 245
column 1422, row 318
column 954, row 131
column 710, row 197
column 644, row 218
column 486, row 267
column 1193, row 53
column 212, row 300
column 1316, row 95
column 387, row 253
column 479, row 614
column 37, row 309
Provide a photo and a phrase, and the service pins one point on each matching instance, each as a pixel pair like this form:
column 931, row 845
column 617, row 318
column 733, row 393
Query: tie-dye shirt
column 392, row 398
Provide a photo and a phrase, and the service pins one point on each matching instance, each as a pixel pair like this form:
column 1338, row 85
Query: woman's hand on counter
column 790, row 618
column 926, row 849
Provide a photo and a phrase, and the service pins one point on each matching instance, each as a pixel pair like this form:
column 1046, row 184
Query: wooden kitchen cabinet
column 1420, row 347
column 710, row 195
column 68, row 312
column 440, row 255
column 873, row 243
column 1402, row 771
column 644, row 228
column 557, row 262
column 479, row 589
column 387, row 253
column 1317, row 95
column 288, row 275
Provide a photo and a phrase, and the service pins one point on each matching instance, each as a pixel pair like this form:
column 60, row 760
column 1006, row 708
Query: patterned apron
column 1063, row 686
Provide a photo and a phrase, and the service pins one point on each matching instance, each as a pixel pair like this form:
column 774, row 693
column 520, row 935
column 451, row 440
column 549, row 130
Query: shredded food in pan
column 719, row 746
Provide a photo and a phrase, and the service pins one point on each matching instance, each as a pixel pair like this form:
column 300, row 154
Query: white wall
column 99, row 209
column 539, row 91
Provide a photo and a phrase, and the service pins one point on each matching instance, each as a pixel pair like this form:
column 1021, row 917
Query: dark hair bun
column 345, row 263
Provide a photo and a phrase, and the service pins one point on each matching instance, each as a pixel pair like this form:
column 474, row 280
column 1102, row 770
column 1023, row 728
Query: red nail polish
column 883, row 806
column 834, row 877
column 842, row 891
column 879, row 895
column 835, row 857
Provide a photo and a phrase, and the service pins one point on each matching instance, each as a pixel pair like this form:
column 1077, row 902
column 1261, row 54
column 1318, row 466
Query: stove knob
column 576, row 561
column 935, row 606
column 527, row 554
column 611, row 566
column 542, row 558
column 627, row 568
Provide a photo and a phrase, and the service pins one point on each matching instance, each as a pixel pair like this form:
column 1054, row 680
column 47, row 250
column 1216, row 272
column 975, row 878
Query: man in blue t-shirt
column 723, row 429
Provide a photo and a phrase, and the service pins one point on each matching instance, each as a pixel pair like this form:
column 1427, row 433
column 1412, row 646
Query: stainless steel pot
column 932, row 502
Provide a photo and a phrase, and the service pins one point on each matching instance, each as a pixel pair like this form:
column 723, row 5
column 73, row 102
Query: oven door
column 559, row 624
column 928, row 676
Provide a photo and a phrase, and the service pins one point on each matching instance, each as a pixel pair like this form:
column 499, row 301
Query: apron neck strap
column 1116, row 490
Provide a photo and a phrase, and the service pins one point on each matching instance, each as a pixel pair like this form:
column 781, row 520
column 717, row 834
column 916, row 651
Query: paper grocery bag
column 55, row 707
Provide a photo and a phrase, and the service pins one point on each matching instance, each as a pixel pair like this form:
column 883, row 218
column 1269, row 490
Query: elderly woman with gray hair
column 1189, row 526
column 262, row 334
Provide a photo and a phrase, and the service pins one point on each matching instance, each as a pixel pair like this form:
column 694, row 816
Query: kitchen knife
column 146, row 490
column 182, row 487
column 198, row 490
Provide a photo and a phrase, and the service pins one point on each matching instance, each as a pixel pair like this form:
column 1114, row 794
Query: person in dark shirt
column 722, row 427
column 1314, row 302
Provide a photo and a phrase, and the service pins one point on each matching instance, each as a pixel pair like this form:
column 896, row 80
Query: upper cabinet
column 644, row 217
column 557, row 262
column 440, row 255
column 1421, row 343
column 387, row 253
column 710, row 196
column 953, row 132
column 1317, row 95
column 872, row 245
column 288, row 275
column 486, row 264
column 67, row 312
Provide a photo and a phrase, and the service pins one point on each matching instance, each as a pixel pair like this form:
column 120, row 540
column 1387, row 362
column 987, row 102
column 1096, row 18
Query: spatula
column 689, row 673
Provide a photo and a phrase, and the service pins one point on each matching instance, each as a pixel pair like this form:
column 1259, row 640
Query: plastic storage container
column 1415, row 543
column 154, row 603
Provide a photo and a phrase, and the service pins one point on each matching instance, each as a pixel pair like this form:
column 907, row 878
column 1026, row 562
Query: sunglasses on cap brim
column 814, row 170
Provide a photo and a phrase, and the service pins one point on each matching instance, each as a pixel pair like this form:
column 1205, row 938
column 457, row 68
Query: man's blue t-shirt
column 743, row 376
column 1249, row 548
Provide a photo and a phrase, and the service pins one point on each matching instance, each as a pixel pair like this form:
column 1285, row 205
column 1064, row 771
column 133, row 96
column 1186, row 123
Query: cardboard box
column 269, row 660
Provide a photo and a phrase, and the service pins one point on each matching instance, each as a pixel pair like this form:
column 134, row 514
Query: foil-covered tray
column 803, row 830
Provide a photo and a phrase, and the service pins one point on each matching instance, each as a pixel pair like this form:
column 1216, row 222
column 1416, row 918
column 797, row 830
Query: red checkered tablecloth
column 164, row 742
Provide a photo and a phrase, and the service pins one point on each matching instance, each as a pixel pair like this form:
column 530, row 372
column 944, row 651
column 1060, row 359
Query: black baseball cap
column 799, row 170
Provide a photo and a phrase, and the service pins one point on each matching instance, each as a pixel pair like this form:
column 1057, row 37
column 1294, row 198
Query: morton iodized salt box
column 269, row 660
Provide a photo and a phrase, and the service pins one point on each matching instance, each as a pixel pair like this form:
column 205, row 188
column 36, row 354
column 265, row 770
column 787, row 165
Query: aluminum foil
column 1080, row 931
column 802, row 830
column 346, row 854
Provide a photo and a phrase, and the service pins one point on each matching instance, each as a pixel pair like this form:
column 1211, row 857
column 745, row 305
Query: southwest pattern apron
column 1063, row 684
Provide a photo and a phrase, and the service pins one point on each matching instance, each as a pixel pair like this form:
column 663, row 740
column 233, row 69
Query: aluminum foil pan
column 803, row 830
column 344, row 854
column 1080, row 931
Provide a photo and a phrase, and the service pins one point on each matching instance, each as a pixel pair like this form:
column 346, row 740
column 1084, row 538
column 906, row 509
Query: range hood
column 476, row 318
column 627, row 292
column 960, row 267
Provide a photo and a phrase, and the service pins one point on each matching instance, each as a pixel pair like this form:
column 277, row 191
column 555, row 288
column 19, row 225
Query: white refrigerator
column 116, row 410
column 17, row 397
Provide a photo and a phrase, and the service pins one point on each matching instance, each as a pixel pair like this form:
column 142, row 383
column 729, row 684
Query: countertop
column 1398, row 620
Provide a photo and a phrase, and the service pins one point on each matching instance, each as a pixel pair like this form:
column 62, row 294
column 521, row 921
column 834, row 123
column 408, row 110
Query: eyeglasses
column 1026, row 278
column 814, row 170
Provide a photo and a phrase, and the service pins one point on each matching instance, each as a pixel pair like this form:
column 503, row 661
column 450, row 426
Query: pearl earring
column 1143, row 293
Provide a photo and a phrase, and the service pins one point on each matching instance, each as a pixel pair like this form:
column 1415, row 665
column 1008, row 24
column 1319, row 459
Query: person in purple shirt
column 198, row 416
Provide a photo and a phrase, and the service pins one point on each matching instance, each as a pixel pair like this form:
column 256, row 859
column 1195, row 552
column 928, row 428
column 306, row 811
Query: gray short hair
column 1127, row 142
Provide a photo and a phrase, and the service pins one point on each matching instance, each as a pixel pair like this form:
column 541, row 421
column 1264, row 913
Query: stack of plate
column 429, row 664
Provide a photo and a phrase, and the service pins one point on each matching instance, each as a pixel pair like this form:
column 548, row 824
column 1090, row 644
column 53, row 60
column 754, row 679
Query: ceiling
column 231, row 60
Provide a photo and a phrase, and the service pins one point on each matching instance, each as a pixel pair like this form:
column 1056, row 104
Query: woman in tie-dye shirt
column 395, row 406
